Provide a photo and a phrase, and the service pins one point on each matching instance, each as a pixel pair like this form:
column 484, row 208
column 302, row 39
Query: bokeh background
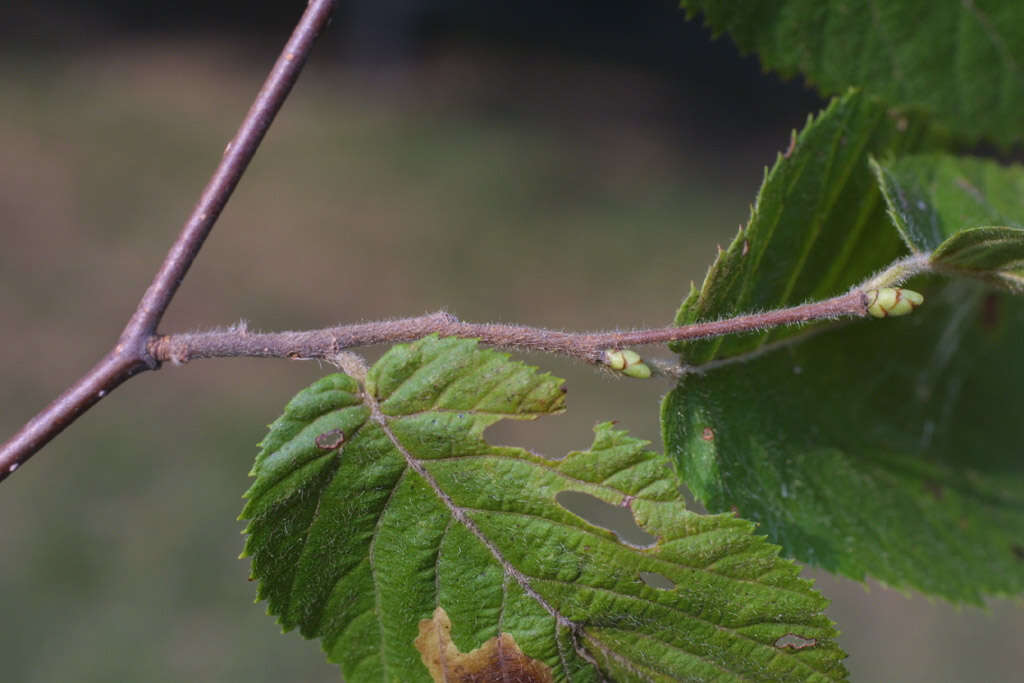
column 568, row 165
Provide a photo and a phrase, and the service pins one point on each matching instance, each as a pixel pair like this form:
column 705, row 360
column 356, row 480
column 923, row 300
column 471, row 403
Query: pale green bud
column 615, row 359
column 889, row 301
column 628, row 362
column 637, row 370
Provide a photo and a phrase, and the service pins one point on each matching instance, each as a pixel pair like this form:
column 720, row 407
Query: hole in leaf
column 656, row 580
column 616, row 519
column 792, row 641
column 330, row 440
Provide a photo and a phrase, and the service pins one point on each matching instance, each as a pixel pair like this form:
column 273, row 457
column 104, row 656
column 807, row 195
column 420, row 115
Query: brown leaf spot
column 499, row 659
column 990, row 312
column 329, row 440
column 792, row 641
column 1018, row 551
column 746, row 248
column 708, row 434
column 934, row 488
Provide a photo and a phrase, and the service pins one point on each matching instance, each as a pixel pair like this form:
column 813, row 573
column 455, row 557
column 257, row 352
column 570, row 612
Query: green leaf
column 962, row 62
column 967, row 214
column 885, row 448
column 411, row 539
column 818, row 227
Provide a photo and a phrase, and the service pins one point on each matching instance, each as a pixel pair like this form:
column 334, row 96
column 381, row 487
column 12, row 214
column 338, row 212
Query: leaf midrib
column 458, row 514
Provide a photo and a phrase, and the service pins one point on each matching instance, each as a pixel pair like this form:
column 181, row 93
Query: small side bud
column 615, row 359
column 628, row 362
column 638, row 371
column 888, row 301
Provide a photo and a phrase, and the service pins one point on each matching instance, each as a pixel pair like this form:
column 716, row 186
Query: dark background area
column 564, row 164
column 652, row 36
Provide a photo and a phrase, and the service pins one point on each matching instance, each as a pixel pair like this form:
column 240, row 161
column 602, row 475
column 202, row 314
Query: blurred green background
column 569, row 168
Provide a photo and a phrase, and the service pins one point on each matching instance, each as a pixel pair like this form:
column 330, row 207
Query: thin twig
column 325, row 343
column 898, row 272
column 131, row 354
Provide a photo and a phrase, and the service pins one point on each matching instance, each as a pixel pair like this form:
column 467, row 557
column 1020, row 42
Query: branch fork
column 131, row 355
column 140, row 348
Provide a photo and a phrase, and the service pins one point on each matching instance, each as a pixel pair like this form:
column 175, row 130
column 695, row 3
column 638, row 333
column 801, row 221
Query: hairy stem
column 900, row 271
column 131, row 355
column 325, row 343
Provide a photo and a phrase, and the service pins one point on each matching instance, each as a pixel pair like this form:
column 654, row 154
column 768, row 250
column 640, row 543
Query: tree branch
column 131, row 355
column 590, row 347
